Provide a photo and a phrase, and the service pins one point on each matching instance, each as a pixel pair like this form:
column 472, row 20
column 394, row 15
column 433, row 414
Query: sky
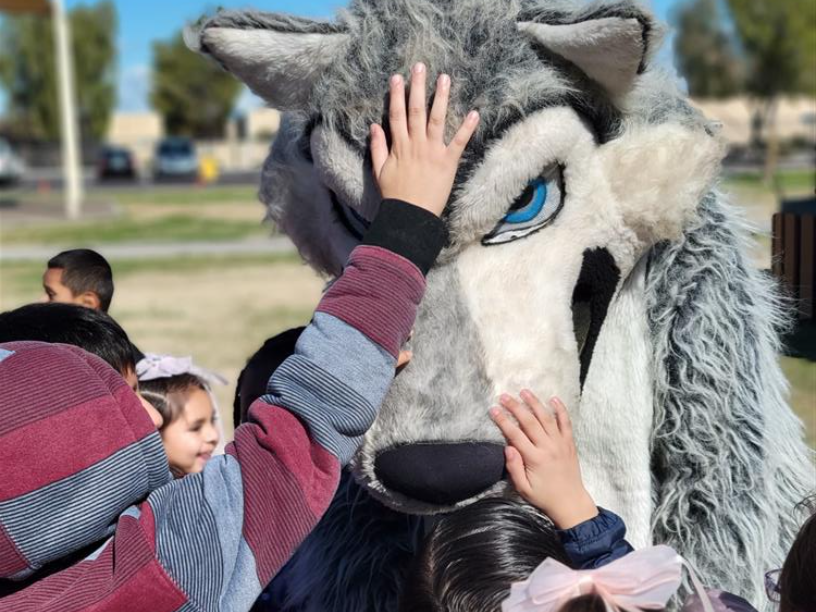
column 143, row 21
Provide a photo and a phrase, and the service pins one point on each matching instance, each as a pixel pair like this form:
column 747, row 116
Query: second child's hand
column 420, row 167
column 542, row 459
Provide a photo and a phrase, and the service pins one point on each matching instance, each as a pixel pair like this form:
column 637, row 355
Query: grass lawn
column 788, row 180
column 165, row 214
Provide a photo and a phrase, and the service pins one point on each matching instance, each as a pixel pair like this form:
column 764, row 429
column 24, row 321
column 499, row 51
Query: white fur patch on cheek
column 520, row 298
column 658, row 174
column 613, row 422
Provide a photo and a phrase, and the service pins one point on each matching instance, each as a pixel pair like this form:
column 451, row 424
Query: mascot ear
column 611, row 51
column 279, row 57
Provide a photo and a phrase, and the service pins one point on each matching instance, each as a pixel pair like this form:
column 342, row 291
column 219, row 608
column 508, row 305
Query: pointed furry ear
column 610, row 50
column 279, row 57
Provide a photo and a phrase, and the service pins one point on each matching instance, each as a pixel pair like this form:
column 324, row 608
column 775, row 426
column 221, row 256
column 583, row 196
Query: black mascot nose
column 439, row 473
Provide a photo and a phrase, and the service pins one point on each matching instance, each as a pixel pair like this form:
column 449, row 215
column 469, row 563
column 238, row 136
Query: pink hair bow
column 642, row 580
column 154, row 366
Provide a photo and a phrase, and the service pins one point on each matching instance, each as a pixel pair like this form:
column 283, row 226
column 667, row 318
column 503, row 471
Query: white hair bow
column 154, row 366
column 642, row 580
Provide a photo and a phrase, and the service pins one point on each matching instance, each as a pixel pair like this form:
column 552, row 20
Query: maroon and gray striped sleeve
column 210, row 541
column 224, row 533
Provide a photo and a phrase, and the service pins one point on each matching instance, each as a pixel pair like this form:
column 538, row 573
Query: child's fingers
column 528, row 422
column 518, row 474
column 544, row 416
column 417, row 119
column 463, row 135
column 396, row 111
column 439, row 110
column 403, row 358
column 562, row 417
column 379, row 149
column 512, row 432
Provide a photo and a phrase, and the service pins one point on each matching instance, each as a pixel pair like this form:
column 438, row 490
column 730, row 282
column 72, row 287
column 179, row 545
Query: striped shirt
column 82, row 469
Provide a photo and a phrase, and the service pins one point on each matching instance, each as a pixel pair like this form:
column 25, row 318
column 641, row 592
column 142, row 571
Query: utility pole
column 71, row 157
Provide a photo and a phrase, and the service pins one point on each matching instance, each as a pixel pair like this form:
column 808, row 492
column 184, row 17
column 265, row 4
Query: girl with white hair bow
column 182, row 393
column 606, row 574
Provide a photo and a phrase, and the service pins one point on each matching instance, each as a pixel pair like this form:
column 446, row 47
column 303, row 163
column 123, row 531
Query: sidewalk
column 265, row 246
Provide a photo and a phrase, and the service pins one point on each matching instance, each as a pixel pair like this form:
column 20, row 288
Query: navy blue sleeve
column 596, row 542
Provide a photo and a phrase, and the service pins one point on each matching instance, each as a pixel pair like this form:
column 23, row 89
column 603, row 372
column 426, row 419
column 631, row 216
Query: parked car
column 115, row 163
column 175, row 158
column 11, row 166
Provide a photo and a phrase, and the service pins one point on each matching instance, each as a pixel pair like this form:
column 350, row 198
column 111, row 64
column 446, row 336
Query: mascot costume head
column 590, row 257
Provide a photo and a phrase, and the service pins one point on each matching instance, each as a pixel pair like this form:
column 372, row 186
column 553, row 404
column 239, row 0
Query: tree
column 194, row 95
column 705, row 51
column 779, row 42
column 28, row 73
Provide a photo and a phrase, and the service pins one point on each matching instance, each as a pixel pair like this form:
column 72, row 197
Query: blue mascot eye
column 529, row 205
column 537, row 206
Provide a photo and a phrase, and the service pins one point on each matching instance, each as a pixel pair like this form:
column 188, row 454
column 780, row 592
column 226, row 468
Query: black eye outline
column 504, row 228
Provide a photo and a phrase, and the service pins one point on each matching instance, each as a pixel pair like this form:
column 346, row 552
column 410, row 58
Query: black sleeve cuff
column 409, row 231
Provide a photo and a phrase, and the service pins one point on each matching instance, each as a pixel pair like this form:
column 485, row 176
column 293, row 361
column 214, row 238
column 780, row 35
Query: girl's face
column 191, row 439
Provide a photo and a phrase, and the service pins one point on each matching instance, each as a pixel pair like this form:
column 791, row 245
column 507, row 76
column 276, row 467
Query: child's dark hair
column 169, row 395
column 797, row 587
column 255, row 375
column 585, row 603
column 591, row 602
column 91, row 330
column 85, row 270
column 472, row 556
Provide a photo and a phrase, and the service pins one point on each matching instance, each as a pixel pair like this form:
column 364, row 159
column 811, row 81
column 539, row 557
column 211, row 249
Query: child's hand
column 542, row 460
column 420, row 168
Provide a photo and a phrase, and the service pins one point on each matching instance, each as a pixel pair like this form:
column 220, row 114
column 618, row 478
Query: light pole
column 71, row 157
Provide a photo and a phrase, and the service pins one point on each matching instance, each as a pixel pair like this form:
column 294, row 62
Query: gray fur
column 436, row 397
column 730, row 459
column 244, row 43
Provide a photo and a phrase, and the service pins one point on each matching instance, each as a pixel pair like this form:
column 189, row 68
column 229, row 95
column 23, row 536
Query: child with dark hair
column 542, row 462
column 469, row 559
column 604, row 573
column 503, row 555
column 91, row 330
column 79, row 276
column 543, row 465
column 253, row 378
column 81, row 463
column 794, row 586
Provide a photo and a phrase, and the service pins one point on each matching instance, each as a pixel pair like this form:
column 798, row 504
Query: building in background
column 244, row 148
column 796, row 119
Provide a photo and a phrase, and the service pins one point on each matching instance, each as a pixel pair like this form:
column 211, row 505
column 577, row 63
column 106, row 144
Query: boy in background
column 79, row 276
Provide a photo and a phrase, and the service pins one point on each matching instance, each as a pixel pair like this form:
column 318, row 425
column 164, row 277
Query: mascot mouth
column 441, row 473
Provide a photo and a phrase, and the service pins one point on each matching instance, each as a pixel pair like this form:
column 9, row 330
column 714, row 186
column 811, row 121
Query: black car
column 115, row 163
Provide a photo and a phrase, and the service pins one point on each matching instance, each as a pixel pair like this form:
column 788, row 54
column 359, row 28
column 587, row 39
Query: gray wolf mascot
column 590, row 256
